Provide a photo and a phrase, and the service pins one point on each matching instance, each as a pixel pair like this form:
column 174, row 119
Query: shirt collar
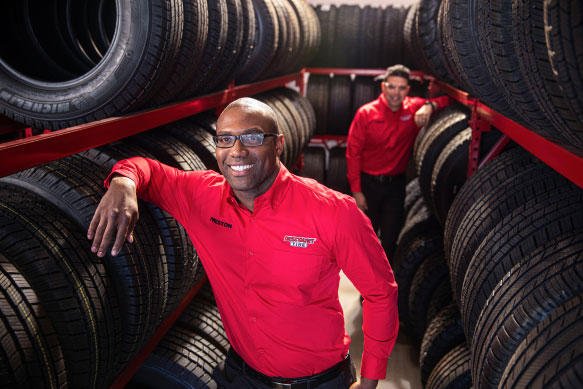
column 273, row 197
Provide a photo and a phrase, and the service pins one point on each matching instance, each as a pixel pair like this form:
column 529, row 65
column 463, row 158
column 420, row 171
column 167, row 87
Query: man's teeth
column 240, row 168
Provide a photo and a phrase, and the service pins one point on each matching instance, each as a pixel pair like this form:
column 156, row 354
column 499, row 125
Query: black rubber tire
column 289, row 44
column 365, row 90
column 452, row 371
column 54, row 256
column 466, row 53
column 446, row 125
column 420, row 219
column 538, row 220
column 336, row 174
column 528, row 293
column 369, row 38
column 318, row 93
column 500, row 40
column 345, row 54
column 444, row 332
column 407, row 260
column 123, row 80
column 315, row 163
column 429, row 275
column 249, row 37
column 339, row 105
column 486, row 179
column 522, row 180
column 563, row 26
column 449, row 173
column 202, row 316
column 183, row 359
column 199, row 139
column 196, row 81
column 513, row 180
column 302, row 111
column 267, row 32
column 326, row 15
column 551, row 355
column 412, row 194
column 285, row 124
column 221, row 72
column 31, row 355
column 430, row 40
column 190, row 54
column 538, row 74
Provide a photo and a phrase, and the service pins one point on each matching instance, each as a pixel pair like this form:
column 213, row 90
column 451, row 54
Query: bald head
column 250, row 107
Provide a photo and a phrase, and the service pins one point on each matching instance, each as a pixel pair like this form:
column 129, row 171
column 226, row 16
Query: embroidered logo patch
column 404, row 118
column 298, row 241
column 221, row 223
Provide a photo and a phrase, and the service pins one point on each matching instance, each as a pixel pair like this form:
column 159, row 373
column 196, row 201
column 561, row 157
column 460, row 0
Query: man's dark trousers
column 385, row 197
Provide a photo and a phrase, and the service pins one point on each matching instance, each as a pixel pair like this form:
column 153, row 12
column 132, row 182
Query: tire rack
column 35, row 150
column 482, row 119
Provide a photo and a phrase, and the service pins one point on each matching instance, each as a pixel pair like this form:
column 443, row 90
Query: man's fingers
column 93, row 226
column 98, row 234
column 122, row 234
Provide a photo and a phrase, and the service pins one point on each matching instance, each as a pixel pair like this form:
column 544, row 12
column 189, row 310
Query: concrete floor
column 403, row 369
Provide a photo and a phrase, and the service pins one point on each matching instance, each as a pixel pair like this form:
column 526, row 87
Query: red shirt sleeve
column 163, row 185
column 354, row 145
column 441, row 102
column 361, row 257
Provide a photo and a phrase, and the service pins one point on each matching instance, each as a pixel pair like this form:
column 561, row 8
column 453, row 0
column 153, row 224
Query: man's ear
column 279, row 144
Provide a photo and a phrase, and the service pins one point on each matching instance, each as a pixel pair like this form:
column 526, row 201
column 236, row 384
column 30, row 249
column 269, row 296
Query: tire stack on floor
column 70, row 318
column 488, row 267
column 67, row 63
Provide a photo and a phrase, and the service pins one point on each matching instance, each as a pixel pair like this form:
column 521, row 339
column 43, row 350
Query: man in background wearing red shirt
column 378, row 148
column 272, row 245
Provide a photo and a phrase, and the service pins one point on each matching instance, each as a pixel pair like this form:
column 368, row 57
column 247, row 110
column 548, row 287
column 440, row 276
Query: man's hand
column 364, row 383
column 360, row 201
column 423, row 114
column 115, row 216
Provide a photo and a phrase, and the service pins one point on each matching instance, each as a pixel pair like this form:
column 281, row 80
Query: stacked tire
column 66, row 63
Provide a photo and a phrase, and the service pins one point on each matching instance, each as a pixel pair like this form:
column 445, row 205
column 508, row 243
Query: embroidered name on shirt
column 404, row 118
column 221, row 223
column 298, row 241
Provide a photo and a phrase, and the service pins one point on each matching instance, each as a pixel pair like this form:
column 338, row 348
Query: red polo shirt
column 380, row 141
column 275, row 271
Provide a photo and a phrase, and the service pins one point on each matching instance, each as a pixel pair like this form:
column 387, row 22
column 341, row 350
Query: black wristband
column 433, row 105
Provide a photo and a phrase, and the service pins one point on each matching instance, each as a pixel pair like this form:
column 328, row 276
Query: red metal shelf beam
column 561, row 160
column 24, row 153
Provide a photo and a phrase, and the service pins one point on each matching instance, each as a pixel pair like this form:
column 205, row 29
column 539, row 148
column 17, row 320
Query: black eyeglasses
column 253, row 139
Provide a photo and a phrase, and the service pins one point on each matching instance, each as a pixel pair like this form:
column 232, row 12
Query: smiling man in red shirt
column 272, row 245
column 378, row 148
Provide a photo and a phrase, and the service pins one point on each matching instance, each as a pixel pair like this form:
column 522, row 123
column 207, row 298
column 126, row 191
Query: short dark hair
column 396, row 71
